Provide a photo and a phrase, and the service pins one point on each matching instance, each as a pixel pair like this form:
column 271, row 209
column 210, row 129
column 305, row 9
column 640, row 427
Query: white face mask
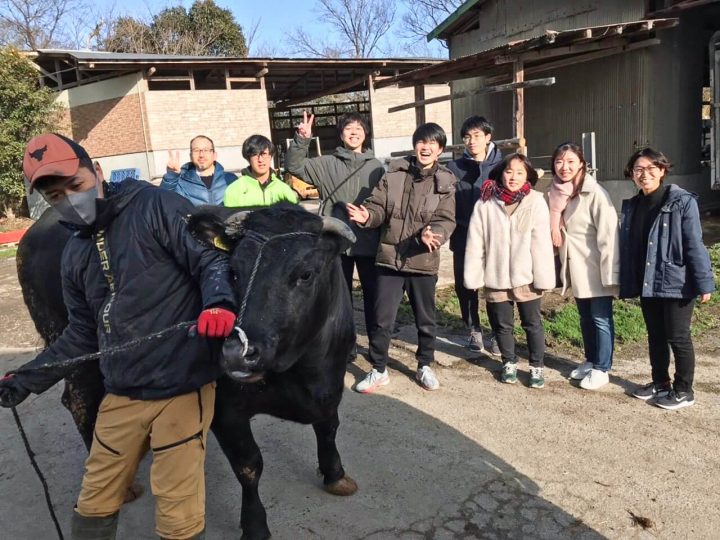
column 79, row 208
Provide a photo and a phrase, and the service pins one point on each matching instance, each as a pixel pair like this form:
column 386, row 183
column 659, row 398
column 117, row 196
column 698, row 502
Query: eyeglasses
column 202, row 150
column 651, row 169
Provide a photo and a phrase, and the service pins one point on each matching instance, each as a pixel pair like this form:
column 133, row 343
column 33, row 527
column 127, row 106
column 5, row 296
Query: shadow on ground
column 418, row 477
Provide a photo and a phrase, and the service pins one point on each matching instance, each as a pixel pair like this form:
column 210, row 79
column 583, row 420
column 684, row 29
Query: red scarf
column 490, row 188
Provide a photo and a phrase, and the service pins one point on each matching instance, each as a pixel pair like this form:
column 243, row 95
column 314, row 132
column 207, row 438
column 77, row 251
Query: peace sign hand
column 173, row 164
column 304, row 129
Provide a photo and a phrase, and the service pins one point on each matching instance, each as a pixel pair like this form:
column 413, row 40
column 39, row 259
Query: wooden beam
column 503, row 144
column 519, row 105
column 484, row 90
column 338, row 88
column 531, row 56
column 557, row 64
column 420, row 107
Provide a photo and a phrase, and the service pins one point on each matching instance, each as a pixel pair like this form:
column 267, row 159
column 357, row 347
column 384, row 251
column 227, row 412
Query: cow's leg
column 83, row 393
column 239, row 446
column 334, row 477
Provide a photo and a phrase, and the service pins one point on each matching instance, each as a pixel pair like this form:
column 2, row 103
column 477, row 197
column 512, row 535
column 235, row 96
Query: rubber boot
column 93, row 528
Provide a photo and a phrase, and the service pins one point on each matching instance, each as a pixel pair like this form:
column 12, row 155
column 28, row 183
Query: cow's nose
column 239, row 354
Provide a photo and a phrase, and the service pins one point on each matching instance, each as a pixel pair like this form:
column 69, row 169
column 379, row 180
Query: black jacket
column 470, row 175
column 161, row 276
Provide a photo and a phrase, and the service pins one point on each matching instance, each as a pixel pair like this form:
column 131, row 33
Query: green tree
column 203, row 30
column 25, row 111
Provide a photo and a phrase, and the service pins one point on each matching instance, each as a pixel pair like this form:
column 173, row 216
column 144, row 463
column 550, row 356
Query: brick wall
column 402, row 123
column 109, row 127
column 228, row 117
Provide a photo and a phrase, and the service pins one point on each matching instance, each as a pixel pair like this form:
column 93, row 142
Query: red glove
column 215, row 322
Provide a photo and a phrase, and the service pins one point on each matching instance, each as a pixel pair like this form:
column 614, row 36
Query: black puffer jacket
column 161, row 276
column 407, row 200
column 470, row 175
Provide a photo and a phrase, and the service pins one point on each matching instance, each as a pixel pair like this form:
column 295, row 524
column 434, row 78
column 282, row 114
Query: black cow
column 288, row 358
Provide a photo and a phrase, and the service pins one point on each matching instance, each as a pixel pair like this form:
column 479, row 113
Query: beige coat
column 590, row 253
column 506, row 252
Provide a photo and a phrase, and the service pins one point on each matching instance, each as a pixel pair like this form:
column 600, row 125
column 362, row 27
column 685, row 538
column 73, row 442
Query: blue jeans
column 598, row 330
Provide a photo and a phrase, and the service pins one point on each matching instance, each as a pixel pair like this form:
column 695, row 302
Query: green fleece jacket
column 247, row 191
column 342, row 177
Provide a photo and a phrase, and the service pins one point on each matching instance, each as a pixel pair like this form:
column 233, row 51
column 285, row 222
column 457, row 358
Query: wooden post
column 519, row 105
column 420, row 109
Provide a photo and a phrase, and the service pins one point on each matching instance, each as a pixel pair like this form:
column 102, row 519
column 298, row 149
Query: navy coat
column 677, row 264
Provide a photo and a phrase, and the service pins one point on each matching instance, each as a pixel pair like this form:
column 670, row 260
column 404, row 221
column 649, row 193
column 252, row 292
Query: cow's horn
column 337, row 226
column 233, row 224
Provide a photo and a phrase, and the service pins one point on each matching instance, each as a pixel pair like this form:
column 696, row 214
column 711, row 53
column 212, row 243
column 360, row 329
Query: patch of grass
column 563, row 326
column 562, row 323
column 7, row 253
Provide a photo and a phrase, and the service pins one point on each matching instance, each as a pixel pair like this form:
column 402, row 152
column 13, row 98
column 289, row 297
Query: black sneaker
column 675, row 400
column 652, row 391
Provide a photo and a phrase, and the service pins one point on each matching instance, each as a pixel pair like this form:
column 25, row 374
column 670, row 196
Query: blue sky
column 277, row 18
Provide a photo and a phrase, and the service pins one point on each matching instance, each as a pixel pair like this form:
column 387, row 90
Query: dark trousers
column 468, row 299
column 502, row 321
column 421, row 292
column 668, row 326
column 367, row 273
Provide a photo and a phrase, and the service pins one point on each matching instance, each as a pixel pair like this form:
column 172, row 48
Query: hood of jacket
column 492, row 158
column 348, row 155
column 189, row 173
column 444, row 178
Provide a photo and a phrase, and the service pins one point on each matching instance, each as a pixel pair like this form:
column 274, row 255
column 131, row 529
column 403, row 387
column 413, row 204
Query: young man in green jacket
column 258, row 185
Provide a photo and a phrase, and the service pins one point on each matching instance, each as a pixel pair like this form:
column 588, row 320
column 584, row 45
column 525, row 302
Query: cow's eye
column 305, row 277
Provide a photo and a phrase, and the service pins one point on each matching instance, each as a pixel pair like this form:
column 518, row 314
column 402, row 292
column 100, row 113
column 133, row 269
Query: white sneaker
column 595, row 379
column 373, row 381
column 427, row 378
column 579, row 372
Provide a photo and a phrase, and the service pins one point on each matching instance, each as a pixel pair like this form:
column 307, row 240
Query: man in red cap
column 131, row 269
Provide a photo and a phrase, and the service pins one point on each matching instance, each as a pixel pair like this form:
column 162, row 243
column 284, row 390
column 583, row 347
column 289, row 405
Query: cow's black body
column 297, row 317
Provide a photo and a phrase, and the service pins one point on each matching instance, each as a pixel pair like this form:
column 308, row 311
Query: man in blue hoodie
column 471, row 170
column 202, row 180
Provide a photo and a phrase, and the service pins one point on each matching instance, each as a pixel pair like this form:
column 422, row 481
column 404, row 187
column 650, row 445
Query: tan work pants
column 175, row 429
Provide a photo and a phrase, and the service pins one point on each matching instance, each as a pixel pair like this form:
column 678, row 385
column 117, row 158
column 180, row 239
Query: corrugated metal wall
column 506, row 20
column 610, row 97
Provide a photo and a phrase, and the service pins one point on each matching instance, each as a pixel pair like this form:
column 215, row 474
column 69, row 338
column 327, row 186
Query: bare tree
column 359, row 25
column 35, row 24
column 423, row 16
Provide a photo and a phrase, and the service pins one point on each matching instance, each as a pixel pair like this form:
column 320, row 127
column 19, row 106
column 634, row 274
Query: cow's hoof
column 343, row 487
column 134, row 491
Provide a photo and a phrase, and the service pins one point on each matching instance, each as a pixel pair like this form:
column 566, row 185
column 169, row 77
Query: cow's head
column 287, row 282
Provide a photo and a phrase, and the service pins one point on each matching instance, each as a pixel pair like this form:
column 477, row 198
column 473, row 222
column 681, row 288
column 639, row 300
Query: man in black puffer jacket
column 471, row 170
column 132, row 269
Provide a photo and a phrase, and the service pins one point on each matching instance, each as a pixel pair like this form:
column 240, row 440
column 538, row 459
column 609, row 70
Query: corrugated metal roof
column 286, row 79
column 457, row 18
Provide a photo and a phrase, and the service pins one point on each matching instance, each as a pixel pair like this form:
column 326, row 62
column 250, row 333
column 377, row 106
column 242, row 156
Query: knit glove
column 215, row 322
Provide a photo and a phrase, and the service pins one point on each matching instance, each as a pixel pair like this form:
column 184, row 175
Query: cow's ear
column 233, row 226
column 209, row 228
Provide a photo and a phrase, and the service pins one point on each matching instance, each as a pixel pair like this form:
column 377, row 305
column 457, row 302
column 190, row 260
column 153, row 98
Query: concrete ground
column 475, row 459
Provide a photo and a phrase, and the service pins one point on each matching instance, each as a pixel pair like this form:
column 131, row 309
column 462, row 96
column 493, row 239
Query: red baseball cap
column 51, row 154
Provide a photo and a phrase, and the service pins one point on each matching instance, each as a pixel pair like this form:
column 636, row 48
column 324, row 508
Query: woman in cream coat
column 590, row 259
column 509, row 254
